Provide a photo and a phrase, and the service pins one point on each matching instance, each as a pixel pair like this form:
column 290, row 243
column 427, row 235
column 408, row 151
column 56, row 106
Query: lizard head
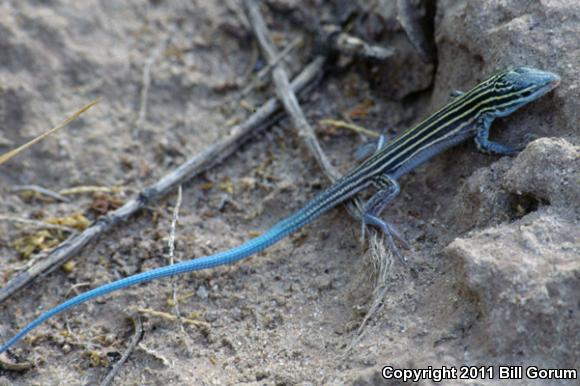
column 520, row 85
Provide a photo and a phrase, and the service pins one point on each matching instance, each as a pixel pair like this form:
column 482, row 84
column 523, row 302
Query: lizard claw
column 390, row 232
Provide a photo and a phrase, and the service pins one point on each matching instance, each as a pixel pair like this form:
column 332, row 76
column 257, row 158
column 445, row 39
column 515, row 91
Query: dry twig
column 290, row 102
column 342, row 42
column 268, row 67
column 88, row 189
column 166, row 362
column 134, row 341
column 173, row 318
column 38, row 224
column 351, row 126
column 286, row 96
column 40, row 190
column 171, row 244
column 19, row 367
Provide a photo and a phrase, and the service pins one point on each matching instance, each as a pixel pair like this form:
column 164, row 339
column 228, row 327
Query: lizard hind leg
column 388, row 190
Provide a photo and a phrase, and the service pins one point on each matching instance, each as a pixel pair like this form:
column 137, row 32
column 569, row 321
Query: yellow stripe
column 392, row 152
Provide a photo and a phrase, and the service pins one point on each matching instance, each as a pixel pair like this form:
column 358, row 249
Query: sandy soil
column 288, row 315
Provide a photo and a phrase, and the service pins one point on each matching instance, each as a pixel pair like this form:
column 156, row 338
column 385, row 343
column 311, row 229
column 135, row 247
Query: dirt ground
column 289, row 315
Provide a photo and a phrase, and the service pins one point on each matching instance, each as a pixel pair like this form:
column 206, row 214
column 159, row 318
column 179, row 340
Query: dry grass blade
column 12, row 153
column 351, row 126
column 173, row 318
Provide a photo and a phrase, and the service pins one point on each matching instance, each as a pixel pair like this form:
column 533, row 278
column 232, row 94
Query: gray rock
column 526, row 278
column 524, row 275
column 549, row 168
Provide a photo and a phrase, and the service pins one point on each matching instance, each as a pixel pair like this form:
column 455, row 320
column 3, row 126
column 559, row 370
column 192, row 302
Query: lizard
column 467, row 115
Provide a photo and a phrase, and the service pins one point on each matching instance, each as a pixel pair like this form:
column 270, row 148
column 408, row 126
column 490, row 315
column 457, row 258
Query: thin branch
column 38, row 224
column 197, row 323
column 146, row 80
column 266, row 70
column 345, row 43
column 257, row 79
column 136, row 338
column 40, row 190
column 351, row 126
column 290, row 102
column 288, row 98
column 171, row 244
column 19, row 367
column 76, row 190
column 196, row 165
column 166, row 362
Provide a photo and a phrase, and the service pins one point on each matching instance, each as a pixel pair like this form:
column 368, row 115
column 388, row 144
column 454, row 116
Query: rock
column 480, row 37
column 546, row 172
column 548, row 168
column 202, row 292
column 526, row 277
column 480, row 200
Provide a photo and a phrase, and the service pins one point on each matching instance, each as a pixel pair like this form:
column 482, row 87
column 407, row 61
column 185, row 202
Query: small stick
column 290, row 102
column 40, row 190
column 266, row 70
column 38, row 224
column 76, row 190
column 342, row 42
column 8, row 155
column 15, row 367
column 194, row 166
column 173, row 318
column 146, row 81
column 154, row 354
column 261, row 74
column 351, row 126
column 288, row 98
column 134, row 341
column 171, row 244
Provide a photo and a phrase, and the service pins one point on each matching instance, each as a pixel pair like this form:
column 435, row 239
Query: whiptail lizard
column 467, row 115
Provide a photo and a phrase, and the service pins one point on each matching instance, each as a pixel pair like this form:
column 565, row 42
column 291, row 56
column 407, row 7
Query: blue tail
column 311, row 211
column 249, row 248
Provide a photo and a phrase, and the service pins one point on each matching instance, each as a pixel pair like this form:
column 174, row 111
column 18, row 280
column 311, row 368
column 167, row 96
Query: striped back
column 499, row 95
